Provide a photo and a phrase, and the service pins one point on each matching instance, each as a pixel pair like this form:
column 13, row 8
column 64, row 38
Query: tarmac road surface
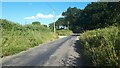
column 61, row 52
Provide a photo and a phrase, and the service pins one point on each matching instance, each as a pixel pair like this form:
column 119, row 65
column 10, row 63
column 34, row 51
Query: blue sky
column 0, row 10
column 26, row 12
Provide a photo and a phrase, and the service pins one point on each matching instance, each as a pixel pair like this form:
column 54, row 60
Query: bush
column 64, row 32
column 101, row 46
column 16, row 38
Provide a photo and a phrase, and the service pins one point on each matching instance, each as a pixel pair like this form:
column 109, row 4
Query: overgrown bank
column 101, row 46
column 64, row 32
column 16, row 38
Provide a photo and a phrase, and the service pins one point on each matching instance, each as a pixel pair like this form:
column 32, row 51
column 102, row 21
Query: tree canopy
column 36, row 23
column 95, row 15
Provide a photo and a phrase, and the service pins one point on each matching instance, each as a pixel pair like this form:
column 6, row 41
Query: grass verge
column 17, row 38
column 64, row 32
column 101, row 47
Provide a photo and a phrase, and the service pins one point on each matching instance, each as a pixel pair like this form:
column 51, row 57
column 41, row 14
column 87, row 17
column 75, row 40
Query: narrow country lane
column 61, row 52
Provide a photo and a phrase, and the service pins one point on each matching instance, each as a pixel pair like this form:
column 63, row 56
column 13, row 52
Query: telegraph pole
column 53, row 16
column 68, row 25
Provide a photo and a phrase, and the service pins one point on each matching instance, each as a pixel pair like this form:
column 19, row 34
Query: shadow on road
column 78, row 49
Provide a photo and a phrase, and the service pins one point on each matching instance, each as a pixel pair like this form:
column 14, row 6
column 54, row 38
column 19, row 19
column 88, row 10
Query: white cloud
column 32, row 17
column 40, row 16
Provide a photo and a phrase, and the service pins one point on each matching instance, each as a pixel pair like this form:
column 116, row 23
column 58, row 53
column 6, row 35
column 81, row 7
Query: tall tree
column 95, row 15
column 71, row 16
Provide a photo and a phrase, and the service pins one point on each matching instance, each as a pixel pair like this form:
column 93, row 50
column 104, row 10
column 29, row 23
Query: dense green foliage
column 16, row 38
column 101, row 46
column 36, row 23
column 95, row 15
column 64, row 32
column 99, row 42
